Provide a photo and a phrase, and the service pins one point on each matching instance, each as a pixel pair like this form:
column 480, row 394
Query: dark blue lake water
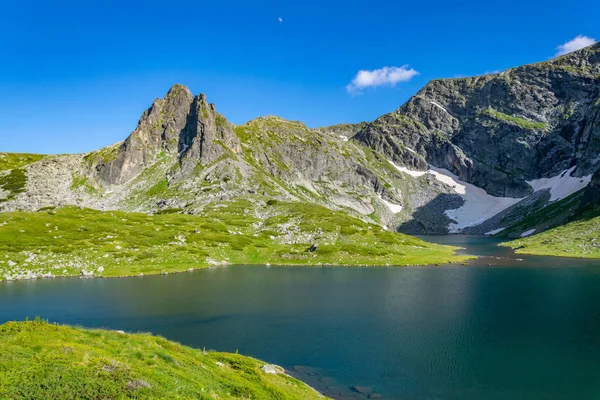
column 519, row 328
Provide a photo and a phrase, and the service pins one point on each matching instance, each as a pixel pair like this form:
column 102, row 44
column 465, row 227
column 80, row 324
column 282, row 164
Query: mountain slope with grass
column 45, row 361
column 579, row 238
column 576, row 233
column 185, row 155
column 527, row 131
column 187, row 189
column 70, row 241
column 484, row 155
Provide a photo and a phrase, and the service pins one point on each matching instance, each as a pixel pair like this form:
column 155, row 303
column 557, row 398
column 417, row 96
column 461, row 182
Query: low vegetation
column 12, row 175
column 544, row 216
column 17, row 160
column 12, row 183
column 518, row 121
column 104, row 155
column 576, row 239
column 71, row 241
column 45, row 361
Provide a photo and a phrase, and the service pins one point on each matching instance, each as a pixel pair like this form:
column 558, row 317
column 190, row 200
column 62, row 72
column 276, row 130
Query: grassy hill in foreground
column 576, row 239
column 71, row 241
column 44, row 361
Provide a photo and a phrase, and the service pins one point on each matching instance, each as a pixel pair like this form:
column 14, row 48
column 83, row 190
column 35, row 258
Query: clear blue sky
column 76, row 75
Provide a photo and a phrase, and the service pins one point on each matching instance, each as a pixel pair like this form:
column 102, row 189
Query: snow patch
column 438, row 105
column 450, row 179
column 490, row 233
column 185, row 147
column 527, row 233
column 411, row 150
column 414, row 174
column 395, row 208
column 344, row 138
column 561, row 185
column 479, row 206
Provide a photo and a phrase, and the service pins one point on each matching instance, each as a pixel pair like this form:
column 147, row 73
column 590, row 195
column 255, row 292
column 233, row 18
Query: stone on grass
column 272, row 369
column 138, row 384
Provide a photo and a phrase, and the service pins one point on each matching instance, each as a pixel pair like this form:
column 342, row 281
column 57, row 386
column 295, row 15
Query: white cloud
column 578, row 43
column 280, row 19
column 389, row 76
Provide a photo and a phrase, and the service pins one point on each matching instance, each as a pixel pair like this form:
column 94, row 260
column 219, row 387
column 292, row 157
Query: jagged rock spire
column 180, row 124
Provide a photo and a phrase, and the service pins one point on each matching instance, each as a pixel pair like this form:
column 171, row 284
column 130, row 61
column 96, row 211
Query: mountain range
column 481, row 155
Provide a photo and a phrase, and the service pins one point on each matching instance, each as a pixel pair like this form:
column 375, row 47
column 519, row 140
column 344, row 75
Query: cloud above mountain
column 386, row 76
column 577, row 43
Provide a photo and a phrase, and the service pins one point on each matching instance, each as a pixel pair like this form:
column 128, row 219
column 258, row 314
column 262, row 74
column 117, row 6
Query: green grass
column 83, row 182
column 45, row 361
column 576, row 239
column 17, row 160
column 518, row 121
column 547, row 216
column 104, row 155
column 68, row 240
column 13, row 183
column 12, row 175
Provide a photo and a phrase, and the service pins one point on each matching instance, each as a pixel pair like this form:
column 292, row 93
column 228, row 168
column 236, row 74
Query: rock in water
column 362, row 389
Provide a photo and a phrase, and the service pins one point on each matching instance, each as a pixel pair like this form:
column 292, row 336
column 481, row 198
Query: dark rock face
column 178, row 124
column 591, row 194
column 208, row 135
column 497, row 131
column 430, row 219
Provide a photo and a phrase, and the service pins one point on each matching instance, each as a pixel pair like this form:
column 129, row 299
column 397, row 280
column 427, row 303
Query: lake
column 504, row 327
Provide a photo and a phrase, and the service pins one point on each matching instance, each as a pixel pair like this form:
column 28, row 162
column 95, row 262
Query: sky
column 77, row 75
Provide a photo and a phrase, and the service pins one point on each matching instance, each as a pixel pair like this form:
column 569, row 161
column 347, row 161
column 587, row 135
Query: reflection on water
column 512, row 330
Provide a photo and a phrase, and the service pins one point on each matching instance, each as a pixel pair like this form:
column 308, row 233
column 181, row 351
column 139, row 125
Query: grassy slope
column 17, row 160
column 576, row 239
column 67, row 240
column 44, row 361
column 545, row 217
column 12, row 175
column 518, row 121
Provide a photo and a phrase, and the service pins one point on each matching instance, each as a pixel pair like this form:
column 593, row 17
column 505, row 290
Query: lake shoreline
column 337, row 328
column 462, row 261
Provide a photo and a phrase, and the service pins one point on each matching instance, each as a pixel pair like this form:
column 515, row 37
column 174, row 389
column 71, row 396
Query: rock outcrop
column 177, row 124
column 591, row 194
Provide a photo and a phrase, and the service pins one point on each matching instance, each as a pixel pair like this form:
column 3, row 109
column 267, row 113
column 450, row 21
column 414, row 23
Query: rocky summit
column 480, row 155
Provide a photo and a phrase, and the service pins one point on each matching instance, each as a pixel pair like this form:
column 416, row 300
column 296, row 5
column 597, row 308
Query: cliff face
column 177, row 124
column 591, row 194
column 499, row 131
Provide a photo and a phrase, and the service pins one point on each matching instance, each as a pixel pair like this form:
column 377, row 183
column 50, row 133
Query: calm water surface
column 520, row 328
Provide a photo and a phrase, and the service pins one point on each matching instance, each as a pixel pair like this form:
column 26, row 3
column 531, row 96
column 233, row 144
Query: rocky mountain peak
column 499, row 131
column 177, row 90
column 178, row 124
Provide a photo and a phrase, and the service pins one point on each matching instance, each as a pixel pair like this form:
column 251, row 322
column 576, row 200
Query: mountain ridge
column 419, row 169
